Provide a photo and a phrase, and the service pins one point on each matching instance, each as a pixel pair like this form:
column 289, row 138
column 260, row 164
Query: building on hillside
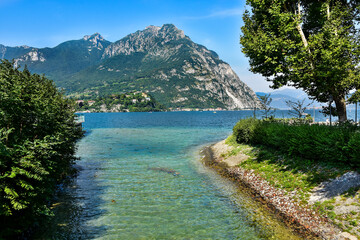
column 80, row 103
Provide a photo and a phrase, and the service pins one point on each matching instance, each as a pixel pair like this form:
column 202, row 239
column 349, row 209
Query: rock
column 348, row 236
column 328, row 190
column 166, row 170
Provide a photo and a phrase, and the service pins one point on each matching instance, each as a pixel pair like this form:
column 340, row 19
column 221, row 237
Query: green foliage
column 337, row 144
column 353, row 146
column 37, row 143
column 287, row 172
column 355, row 97
column 244, row 130
column 313, row 45
column 299, row 175
column 62, row 61
column 132, row 102
column 231, row 140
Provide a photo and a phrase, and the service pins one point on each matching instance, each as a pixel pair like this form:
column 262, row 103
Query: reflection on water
column 123, row 192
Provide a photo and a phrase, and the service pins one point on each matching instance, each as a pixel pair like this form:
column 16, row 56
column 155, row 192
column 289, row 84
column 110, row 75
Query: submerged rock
column 166, row 170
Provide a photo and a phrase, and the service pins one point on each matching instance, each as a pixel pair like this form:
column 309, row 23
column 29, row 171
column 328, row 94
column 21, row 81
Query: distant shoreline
column 187, row 110
column 174, row 110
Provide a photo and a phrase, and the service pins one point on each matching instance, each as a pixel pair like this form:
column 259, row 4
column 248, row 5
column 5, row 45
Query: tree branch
column 301, row 32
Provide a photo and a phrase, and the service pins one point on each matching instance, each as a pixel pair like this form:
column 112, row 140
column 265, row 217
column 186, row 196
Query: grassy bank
column 298, row 158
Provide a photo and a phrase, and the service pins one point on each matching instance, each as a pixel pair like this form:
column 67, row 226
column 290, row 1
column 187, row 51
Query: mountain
column 67, row 58
column 13, row 52
column 162, row 61
column 279, row 97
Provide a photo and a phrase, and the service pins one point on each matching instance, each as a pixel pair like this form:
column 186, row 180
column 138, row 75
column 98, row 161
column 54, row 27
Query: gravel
column 303, row 218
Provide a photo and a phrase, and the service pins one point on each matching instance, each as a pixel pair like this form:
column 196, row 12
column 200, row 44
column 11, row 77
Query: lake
column 141, row 178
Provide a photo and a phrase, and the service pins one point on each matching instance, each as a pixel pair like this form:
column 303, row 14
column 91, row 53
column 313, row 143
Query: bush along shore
column 38, row 135
column 308, row 174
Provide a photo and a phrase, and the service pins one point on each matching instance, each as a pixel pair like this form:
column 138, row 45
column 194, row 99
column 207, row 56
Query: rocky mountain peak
column 172, row 30
column 95, row 40
column 153, row 28
column 145, row 40
column 96, row 37
column 32, row 56
column 160, row 60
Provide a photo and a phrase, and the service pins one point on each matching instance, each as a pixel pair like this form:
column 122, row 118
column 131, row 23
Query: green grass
column 302, row 175
column 298, row 157
column 285, row 172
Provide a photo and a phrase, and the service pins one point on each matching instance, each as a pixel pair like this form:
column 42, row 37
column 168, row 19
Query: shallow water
column 127, row 187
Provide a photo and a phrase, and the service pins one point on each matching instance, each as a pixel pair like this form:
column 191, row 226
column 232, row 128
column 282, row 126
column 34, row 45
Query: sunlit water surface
column 123, row 192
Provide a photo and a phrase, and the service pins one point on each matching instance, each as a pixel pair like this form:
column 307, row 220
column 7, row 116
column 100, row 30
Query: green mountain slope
column 160, row 60
column 67, row 58
column 13, row 52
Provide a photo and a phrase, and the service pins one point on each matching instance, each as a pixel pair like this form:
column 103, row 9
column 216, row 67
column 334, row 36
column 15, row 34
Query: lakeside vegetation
column 38, row 134
column 310, row 45
column 297, row 157
column 323, row 143
column 126, row 102
column 313, row 46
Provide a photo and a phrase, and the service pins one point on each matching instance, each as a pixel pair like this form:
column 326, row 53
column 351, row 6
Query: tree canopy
column 37, row 144
column 312, row 45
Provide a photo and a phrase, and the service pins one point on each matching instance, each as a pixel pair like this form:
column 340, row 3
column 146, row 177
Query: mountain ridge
column 160, row 60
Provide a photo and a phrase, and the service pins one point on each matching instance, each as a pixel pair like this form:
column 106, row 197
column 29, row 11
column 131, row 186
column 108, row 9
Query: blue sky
column 212, row 23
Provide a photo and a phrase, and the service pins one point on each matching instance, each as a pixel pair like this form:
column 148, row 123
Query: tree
column 265, row 102
column 313, row 45
column 355, row 97
column 297, row 108
column 37, row 145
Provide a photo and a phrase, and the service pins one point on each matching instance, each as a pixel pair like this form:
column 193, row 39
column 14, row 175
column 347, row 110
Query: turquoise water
column 127, row 189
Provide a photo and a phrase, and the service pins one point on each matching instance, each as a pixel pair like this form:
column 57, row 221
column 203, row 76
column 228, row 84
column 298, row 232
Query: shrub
column 37, row 144
column 244, row 129
column 353, row 148
column 340, row 143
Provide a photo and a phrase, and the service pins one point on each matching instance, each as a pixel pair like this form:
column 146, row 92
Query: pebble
column 293, row 212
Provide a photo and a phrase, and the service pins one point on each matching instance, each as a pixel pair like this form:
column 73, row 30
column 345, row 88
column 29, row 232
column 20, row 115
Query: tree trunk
column 341, row 108
column 299, row 28
column 302, row 34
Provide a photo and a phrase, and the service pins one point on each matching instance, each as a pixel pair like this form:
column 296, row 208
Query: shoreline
column 302, row 219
